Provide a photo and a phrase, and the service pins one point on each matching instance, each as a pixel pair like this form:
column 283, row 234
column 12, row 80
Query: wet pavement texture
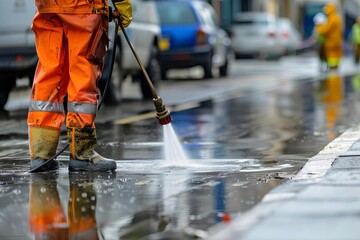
column 242, row 145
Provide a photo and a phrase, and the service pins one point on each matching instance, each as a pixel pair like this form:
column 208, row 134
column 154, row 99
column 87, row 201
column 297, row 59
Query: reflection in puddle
column 267, row 169
column 47, row 215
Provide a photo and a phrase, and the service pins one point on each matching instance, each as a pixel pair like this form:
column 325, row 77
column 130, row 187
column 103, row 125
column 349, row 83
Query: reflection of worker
column 355, row 32
column 333, row 94
column 355, row 83
column 81, row 208
column 71, row 43
column 332, row 32
column 47, row 219
column 320, row 19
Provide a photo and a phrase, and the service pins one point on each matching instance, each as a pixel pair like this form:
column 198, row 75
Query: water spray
column 162, row 112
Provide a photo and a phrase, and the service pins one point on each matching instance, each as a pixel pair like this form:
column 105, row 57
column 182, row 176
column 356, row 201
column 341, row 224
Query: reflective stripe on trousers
column 51, row 110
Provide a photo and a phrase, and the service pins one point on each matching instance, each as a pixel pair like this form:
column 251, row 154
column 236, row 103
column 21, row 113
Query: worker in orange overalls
column 71, row 43
column 332, row 32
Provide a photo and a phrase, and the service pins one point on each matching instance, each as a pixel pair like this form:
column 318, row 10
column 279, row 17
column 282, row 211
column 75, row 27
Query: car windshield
column 172, row 13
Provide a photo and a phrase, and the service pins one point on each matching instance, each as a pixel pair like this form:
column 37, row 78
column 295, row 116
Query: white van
column 18, row 57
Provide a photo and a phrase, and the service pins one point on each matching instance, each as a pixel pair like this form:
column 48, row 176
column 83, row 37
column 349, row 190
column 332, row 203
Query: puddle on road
column 237, row 159
column 156, row 166
column 198, row 166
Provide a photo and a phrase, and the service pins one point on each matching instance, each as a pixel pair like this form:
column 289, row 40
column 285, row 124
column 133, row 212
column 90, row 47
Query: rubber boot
column 83, row 157
column 43, row 143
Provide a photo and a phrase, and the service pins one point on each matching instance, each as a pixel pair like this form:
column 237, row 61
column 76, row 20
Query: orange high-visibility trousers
column 65, row 44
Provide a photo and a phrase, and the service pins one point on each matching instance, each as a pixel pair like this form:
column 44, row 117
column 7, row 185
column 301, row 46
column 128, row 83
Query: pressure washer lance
column 162, row 112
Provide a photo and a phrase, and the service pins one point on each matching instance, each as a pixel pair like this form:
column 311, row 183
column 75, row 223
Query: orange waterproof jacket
column 332, row 32
column 73, row 6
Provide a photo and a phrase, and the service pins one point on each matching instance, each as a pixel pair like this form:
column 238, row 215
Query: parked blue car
column 192, row 37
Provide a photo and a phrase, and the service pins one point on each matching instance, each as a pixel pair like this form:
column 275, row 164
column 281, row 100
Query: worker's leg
column 357, row 53
column 49, row 88
column 85, row 34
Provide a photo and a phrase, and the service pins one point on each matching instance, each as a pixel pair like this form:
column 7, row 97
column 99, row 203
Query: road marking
column 135, row 118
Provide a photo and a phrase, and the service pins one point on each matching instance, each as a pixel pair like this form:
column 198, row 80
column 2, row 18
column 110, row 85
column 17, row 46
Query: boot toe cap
column 39, row 165
column 102, row 165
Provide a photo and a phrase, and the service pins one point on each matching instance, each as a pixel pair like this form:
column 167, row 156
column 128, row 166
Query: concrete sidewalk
column 321, row 202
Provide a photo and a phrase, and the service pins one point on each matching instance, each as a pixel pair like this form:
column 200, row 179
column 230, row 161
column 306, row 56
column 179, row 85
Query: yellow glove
column 125, row 9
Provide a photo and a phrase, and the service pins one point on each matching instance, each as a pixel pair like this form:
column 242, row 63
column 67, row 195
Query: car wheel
column 223, row 70
column 163, row 73
column 6, row 85
column 31, row 79
column 208, row 70
column 208, row 67
column 262, row 55
column 154, row 71
column 112, row 96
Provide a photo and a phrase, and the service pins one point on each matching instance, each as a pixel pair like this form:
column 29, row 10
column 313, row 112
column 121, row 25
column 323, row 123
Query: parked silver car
column 289, row 37
column 255, row 34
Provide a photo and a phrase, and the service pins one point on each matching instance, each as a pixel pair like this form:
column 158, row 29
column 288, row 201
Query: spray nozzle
column 162, row 113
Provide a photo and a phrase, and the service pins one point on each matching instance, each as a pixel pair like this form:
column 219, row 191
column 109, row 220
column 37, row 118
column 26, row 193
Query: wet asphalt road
column 244, row 139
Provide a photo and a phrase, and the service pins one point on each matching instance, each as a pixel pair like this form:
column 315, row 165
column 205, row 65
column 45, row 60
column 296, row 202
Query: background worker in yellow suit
column 71, row 43
column 333, row 34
